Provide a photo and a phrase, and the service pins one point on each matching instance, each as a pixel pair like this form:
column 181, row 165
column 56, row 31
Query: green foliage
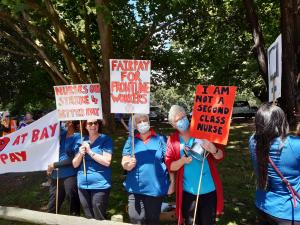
column 188, row 42
column 24, row 86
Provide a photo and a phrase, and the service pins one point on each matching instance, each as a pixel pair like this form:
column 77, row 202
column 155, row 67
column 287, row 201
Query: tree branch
column 14, row 52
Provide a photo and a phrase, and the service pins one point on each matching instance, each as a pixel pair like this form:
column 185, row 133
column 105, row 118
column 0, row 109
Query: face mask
column 143, row 127
column 183, row 124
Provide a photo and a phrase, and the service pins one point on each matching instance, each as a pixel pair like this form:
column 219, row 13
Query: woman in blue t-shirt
column 271, row 142
column 67, row 182
column 147, row 179
column 94, row 186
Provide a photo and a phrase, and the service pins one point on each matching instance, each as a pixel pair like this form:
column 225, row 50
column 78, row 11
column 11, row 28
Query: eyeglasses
column 92, row 123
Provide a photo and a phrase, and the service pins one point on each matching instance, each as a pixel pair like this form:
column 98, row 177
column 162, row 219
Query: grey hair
column 137, row 116
column 174, row 110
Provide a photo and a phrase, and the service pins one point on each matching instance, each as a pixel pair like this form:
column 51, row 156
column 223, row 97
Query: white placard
column 78, row 102
column 275, row 69
column 130, row 86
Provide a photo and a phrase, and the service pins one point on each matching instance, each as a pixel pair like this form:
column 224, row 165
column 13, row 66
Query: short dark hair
column 84, row 130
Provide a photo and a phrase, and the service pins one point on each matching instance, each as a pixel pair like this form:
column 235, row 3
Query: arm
column 59, row 164
column 176, row 165
column 104, row 158
column 124, row 124
column 78, row 157
column 63, row 163
column 171, row 189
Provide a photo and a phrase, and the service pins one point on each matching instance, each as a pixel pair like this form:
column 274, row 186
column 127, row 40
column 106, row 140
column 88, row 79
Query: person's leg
column 70, row 184
column 100, row 203
column 206, row 210
column 136, row 209
column 52, row 198
column 86, row 202
column 188, row 206
column 152, row 209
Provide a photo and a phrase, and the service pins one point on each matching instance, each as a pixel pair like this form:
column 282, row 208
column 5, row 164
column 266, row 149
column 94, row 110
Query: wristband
column 92, row 154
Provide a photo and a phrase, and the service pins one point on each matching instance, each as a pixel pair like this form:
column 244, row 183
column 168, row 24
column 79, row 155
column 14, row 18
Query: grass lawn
column 25, row 191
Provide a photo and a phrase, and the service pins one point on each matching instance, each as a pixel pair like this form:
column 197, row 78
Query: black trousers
column 143, row 209
column 67, row 188
column 94, row 202
column 206, row 210
column 266, row 219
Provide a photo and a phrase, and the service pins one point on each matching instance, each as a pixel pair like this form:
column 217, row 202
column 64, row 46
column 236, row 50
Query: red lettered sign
column 212, row 113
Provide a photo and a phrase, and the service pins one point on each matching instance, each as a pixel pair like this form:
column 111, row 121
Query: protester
column 272, row 144
column 27, row 120
column 179, row 159
column 8, row 125
column 94, row 186
column 147, row 180
column 67, row 181
column 120, row 119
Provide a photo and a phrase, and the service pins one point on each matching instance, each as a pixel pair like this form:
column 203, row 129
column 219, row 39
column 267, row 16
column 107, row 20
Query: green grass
column 236, row 174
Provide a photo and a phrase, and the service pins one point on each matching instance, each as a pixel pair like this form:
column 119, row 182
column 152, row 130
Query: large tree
column 288, row 26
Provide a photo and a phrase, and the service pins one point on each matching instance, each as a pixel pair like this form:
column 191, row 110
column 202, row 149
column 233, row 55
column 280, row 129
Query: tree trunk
column 297, row 19
column 105, row 31
column 259, row 46
column 289, row 60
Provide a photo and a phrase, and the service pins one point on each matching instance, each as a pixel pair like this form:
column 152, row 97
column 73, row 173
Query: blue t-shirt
column 66, row 151
column 97, row 176
column 192, row 171
column 277, row 201
column 149, row 176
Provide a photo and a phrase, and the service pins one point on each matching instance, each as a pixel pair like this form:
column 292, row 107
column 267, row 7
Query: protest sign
column 78, row 102
column 31, row 148
column 212, row 113
column 130, row 86
column 275, row 69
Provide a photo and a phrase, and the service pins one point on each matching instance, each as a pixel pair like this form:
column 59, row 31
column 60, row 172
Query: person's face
column 68, row 124
column 141, row 119
column 178, row 117
column 92, row 126
column 28, row 116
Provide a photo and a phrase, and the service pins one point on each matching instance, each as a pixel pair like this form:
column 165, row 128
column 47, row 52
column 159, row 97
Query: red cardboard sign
column 212, row 113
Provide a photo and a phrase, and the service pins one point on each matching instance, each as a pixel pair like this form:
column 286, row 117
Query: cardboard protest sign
column 78, row 102
column 212, row 113
column 130, row 86
column 31, row 148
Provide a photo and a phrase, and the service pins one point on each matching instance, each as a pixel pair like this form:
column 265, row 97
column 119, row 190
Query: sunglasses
column 92, row 123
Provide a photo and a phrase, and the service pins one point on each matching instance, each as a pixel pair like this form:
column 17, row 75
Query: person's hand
column 50, row 169
column 171, row 189
column 82, row 150
column 208, row 146
column 87, row 147
column 186, row 160
column 131, row 164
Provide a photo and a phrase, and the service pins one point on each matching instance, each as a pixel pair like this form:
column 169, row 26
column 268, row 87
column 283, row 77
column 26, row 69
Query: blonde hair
column 137, row 116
